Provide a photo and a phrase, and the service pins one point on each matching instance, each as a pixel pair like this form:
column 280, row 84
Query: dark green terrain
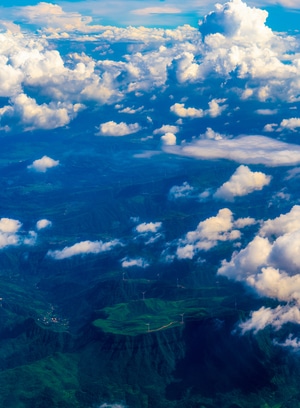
column 83, row 331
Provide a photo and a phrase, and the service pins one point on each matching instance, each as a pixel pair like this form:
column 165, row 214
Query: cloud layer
column 242, row 149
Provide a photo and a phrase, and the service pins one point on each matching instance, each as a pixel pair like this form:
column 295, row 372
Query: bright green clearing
column 149, row 315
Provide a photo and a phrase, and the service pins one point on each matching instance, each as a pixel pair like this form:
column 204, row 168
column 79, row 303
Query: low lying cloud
column 182, row 191
column 42, row 224
column 43, row 164
column 112, row 128
column 291, row 342
column 84, row 247
column 269, row 265
column 12, row 235
column 241, row 183
column 149, row 232
column 145, row 227
column 136, row 262
column 210, row 232
column 243, row 149
column 276, row 318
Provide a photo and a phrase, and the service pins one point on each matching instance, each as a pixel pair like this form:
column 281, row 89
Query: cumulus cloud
column 214, row 110
column 276, row 318
column 43, row 164
column 42, row 224
column 84, row 247
column 168, row 139
column 211, row 134
column 235, row 19
column 166, row 129
column 112, row 128
column 236, row 42
column 208, row 234
column 180, row 110
column 241, row 183
column 291, row 124
column 284, row 224
column 243, row 149
column 149, row 232
column 8, row 225
column 33, row 116
column 270, row 127
column 181, row 191
column 146, row 227
column 135, row 262
column 269, row 265
column 12, row 235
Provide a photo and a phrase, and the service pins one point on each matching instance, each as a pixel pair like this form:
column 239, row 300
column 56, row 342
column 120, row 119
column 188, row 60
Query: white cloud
column 244, row 222
column 131, row 111
column 156, row 10
column 146, row 227
column 284, row 224
column 214, row 109
column 84, row 247
column 266, row 112
column 269, row 265
column 272, row 283
column 180, row 110
column 112, row 128
column 291, row 124
column 243, row 149
column 208, row 234
column 166, row 129
column 136, row 262
column 181, row 191
column 211, row 134
column 43, row 223
column 276, row 318
column 290, row 342
column 236, row 20
column 34, row 116
column 43, row 164
column 241, row 183
column 53, row 19
column 248, row 261
column 8, row 225
column 237, row 42
column 12, row 235
column 270, row 127
column 168, row 139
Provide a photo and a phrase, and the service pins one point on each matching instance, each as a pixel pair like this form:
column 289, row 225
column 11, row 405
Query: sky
column 187, row 80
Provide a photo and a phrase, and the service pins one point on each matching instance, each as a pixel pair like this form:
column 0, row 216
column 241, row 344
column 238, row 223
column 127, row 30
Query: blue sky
column 283, row 15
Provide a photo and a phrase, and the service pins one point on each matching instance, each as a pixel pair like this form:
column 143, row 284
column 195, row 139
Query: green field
column 149, row 315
